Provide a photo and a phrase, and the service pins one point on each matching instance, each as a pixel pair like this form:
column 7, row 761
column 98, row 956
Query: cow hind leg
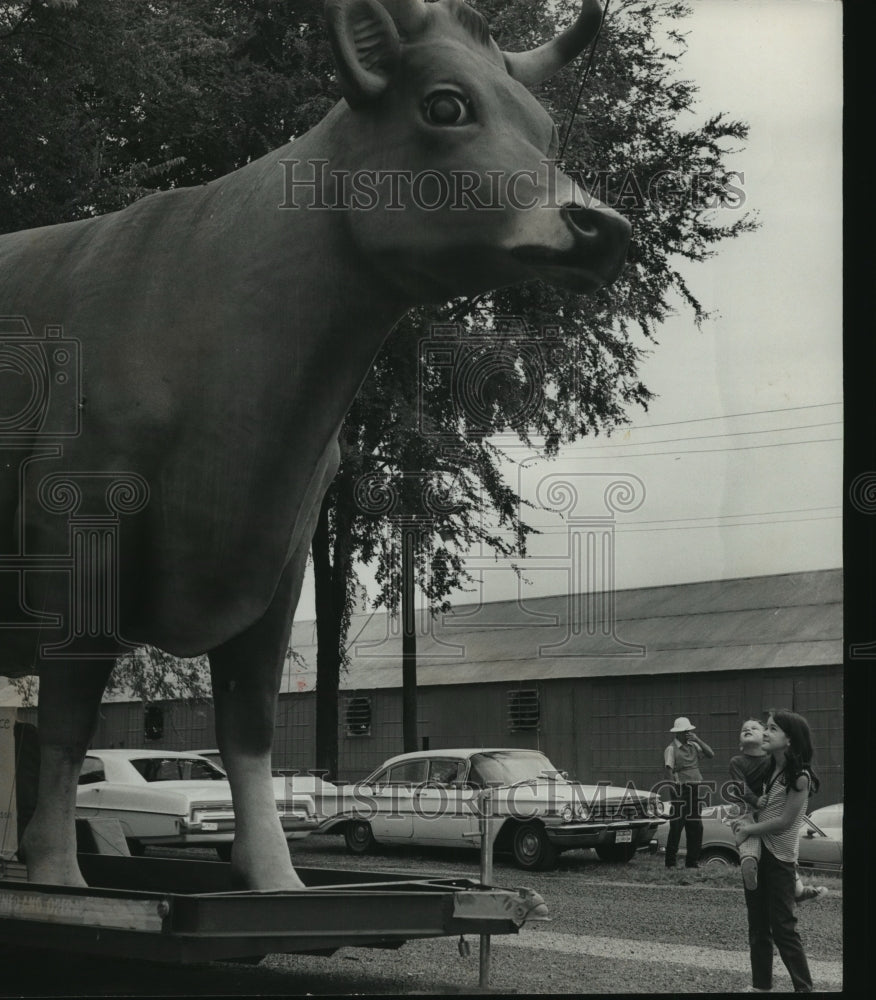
column 68, row 702
column 246, row 673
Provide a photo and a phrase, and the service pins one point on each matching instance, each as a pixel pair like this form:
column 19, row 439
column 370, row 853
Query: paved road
column 614, row 929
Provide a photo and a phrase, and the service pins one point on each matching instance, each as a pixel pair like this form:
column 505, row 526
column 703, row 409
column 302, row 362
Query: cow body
column 224, row 332
column 211, row 372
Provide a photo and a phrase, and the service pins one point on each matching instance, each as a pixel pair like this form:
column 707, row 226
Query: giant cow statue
column 223, row 332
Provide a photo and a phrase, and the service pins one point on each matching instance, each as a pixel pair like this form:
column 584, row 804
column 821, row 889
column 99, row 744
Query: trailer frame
column 181, row 911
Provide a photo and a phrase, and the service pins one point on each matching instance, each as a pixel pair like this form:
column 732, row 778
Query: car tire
column 718, row 856
column 358, row 837
column 616, row 854
column 531, row 848
column 224, row 851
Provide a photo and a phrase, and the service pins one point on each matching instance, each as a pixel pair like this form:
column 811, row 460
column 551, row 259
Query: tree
column 103, row 101
column 629, row 144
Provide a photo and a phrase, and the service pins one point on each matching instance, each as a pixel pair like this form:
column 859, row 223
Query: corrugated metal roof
column 791, row 620
column 752, row 623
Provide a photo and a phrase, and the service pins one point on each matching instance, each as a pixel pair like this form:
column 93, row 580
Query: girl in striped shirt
column 772, row 914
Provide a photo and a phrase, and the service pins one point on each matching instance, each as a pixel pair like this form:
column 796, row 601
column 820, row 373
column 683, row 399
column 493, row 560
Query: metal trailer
column 172, row 910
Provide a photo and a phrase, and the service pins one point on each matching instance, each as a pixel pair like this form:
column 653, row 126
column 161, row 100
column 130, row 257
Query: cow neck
column 314, row 289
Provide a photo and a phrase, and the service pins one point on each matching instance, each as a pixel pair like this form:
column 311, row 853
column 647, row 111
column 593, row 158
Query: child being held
column 751, row 769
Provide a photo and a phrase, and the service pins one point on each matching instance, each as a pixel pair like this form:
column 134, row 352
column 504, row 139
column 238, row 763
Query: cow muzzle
column 593, row 250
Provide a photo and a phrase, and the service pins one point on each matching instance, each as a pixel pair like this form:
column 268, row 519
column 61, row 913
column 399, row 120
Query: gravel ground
column 634, row 928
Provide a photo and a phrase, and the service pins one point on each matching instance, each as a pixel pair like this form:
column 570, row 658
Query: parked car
column 170, row 798
column 821, row 838
column 213, row 755
column 309, row 790
column 434, row 797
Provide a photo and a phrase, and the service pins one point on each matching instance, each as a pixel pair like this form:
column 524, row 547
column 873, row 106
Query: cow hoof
column 263, row 882
column 258, row 876
column 47, row 873
column 46, row 864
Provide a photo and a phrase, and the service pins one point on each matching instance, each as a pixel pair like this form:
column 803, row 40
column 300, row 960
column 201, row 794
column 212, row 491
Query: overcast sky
column 755, row 485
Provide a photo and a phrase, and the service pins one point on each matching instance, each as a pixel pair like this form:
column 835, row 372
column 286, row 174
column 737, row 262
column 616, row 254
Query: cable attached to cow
column 584, row 72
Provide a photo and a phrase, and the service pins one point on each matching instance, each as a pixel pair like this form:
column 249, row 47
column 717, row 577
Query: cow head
column 438, row 121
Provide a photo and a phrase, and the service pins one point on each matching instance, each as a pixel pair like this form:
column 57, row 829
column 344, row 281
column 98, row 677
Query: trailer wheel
column 618, row 854
column 531, row 848
column 358, row 837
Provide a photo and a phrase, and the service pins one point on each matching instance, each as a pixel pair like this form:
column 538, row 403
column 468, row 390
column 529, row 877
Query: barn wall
column 632, row 716
column 612, row 728
column 607, row 728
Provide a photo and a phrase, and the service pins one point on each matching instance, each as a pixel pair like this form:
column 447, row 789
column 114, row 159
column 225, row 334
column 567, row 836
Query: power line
column 754, row 513
column 631, row 527
column 582, row 77
column 732, row 416
column 709, row 517
column 706, row 437
column 739, row 524
column 715, row 451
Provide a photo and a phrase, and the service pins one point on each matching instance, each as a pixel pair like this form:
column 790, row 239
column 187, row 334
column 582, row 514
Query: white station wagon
column 168, row 798
column 433, row 798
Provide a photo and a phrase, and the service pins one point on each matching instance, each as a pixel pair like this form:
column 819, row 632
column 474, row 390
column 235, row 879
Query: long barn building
column 595, row 681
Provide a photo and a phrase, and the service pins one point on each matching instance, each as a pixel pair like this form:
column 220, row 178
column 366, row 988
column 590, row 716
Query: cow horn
column 539, row 64
column 408, row 15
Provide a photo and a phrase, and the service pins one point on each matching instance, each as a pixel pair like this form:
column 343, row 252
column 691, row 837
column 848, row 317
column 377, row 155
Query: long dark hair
column 798, row 756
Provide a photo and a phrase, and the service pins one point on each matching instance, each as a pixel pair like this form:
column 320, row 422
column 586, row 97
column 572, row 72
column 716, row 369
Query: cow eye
column 447, row 108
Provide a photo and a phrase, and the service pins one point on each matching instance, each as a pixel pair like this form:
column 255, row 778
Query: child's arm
column 795, row 804
column 738, row 775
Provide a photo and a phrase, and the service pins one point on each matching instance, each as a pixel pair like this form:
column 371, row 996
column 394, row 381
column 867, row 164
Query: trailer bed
column 172, row 910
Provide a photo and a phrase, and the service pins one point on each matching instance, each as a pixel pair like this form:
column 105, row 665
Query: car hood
column 575, row 791
column 556, row 791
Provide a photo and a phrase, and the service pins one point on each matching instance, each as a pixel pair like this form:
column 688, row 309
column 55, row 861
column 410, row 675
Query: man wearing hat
column 682, row 760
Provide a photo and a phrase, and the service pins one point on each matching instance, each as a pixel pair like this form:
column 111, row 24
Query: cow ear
column 366, row 47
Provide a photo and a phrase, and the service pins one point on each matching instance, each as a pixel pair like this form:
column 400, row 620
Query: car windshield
column 177, row 769
column 505, row 767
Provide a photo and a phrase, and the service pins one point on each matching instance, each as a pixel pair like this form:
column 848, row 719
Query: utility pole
column 409, row 638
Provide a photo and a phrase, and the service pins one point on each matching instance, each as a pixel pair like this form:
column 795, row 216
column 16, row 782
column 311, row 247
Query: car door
column 443, row 807
column 91, row 783
column 817, row 850
column 393, row 792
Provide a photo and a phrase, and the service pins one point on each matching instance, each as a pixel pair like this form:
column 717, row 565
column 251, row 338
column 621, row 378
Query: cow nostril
column 585, row 220
column 598, row 223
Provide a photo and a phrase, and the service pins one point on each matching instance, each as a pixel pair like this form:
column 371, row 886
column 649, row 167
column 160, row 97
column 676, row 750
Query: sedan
column 162, row 797
column 821, row 838
column 308, row 790
column 436, row 798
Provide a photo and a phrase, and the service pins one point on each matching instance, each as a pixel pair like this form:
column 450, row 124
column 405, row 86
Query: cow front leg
column 246, row 673
column 68, row 702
